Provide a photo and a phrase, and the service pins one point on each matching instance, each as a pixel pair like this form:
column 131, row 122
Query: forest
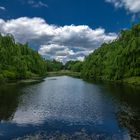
column 116, row 60
column 19, row 61
column 74, row 66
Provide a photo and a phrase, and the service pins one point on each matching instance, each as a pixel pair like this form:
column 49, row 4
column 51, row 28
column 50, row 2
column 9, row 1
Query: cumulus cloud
column 132, row 6
column 56, row 42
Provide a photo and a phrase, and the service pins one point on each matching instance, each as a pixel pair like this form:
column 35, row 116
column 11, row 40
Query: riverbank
column 37, row 79
column 133, row 81
column 23, row 81
column 64, row 72
column 129, row 81
column 32, row 80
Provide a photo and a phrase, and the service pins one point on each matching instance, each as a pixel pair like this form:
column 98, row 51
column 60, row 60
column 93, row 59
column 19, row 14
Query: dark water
column 69, row 108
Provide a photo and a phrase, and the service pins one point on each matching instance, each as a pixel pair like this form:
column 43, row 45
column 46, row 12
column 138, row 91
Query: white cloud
column 2, row 8
column 132, row 6
column 59, row 42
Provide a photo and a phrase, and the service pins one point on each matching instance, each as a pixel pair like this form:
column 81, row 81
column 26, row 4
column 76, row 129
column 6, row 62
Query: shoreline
column 23, row 81
column 64, row 72
column 133, row 81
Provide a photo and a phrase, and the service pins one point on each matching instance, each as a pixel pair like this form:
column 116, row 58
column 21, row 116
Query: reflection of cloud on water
column 58, row 100
column 37, row 116
column 68, row 105
column 29, row 117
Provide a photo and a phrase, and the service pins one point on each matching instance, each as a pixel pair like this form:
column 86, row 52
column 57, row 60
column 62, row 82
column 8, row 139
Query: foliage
column 132, row 80
column 75, row 66
column 64, row 72
column 53, row 65
column 116, row 60
column 18, row 61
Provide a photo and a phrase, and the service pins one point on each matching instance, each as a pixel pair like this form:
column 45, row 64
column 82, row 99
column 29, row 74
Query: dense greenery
column 18, row 61
column 74, row 66
column 53, row 65
column 116, row 60
column 64, row 72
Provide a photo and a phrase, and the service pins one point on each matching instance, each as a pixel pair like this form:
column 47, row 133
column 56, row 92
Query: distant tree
column 75, row 66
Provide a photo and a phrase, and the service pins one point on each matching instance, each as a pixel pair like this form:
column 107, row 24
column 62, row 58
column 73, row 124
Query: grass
column 34, row 79
column 26, row 81
column 132, row 81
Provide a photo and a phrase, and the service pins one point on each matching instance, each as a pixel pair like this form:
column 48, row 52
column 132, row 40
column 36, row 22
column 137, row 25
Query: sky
column 66, row 29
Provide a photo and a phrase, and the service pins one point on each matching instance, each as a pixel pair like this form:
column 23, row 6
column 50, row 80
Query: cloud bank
column 132, row 6
column 62, row 43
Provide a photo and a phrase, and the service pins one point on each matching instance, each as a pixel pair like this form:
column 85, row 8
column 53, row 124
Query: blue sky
column 67, row 29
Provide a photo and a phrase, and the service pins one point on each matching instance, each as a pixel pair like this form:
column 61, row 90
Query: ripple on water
column 64, row 107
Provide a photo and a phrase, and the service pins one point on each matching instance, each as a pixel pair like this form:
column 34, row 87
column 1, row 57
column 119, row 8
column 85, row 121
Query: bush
column 1, row 78
column 9, row 74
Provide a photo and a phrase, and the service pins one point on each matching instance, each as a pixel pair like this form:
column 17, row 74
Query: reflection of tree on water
column 127, row 98
column 131, row 122
column 9, row 99
column 77, row 135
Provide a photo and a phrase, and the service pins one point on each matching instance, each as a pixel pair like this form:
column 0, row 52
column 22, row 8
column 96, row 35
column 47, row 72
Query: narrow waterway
column 69, row 108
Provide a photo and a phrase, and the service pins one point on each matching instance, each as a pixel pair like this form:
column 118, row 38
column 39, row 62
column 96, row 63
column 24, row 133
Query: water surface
column 69, row 108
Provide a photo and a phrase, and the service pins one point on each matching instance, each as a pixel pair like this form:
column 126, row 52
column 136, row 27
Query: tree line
column 19, row 61
column 116, row 60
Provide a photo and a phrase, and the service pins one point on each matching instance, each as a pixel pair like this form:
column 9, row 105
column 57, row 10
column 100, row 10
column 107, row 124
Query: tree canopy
column 74, row 66
column 116, row 60
column 18, row 61
column 53, row 65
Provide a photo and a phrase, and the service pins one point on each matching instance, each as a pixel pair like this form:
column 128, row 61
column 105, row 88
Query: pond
column 69, row 108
